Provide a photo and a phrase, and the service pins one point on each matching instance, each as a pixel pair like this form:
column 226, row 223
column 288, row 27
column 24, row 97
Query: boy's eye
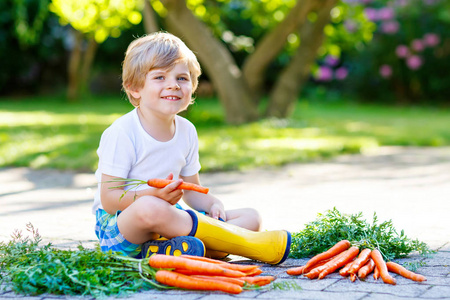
column 182, row 78
column 159, row 77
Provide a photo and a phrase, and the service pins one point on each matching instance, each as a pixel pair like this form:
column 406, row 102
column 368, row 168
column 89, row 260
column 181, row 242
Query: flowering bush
column 400, row 50
column 408, row 55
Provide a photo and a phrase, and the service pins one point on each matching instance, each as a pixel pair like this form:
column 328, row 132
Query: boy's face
column 165, row 92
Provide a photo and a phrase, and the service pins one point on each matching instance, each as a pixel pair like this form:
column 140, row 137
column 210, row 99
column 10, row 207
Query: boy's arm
column 112, row 202
column 203, row 202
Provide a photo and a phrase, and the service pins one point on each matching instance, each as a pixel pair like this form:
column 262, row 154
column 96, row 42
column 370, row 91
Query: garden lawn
column 49, row 133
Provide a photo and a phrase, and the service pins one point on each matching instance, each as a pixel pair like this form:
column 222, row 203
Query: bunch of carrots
column 201, row 273
column 352, row 263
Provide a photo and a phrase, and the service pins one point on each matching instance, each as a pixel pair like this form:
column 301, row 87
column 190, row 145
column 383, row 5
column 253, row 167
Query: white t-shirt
column 126, row 150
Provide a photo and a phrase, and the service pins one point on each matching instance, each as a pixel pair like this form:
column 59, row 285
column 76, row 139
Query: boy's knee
column 150, row 210
column 253, row 215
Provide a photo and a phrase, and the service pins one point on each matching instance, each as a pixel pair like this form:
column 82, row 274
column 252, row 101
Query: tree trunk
column 150, row 22
column 217, row 61
column 290, row 82
column 74, row 66
column 86, row 67
column 254, row 67
column 80, row 65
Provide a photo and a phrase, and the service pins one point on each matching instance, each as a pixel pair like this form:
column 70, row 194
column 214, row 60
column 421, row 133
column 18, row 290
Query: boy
column 160, row 74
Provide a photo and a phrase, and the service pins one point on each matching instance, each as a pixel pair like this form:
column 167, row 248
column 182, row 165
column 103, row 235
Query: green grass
column 49, row 133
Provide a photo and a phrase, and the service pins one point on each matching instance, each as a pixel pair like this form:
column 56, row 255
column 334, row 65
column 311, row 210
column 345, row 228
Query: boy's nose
column 174, row 86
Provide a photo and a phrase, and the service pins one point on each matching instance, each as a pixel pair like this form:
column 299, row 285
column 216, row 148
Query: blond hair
column 159, row 50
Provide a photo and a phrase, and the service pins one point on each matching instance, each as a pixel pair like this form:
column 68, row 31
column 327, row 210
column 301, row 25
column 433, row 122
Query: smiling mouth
column 171, row 98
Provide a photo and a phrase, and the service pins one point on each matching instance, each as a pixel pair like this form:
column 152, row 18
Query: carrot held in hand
column 336, row 249
column 175, row 279
column 382, row 268
column 161, row 183
column 333, row 265
column 400, row 270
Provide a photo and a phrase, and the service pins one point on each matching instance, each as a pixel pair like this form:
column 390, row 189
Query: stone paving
column 411, row 186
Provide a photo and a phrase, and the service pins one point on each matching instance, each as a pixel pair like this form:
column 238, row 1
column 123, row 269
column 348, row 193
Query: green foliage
column 99, row 18
column 407, row 59
column 44, row 133
column 32, row 47
column 28, row 32
column 32, row 269
column 333, row 226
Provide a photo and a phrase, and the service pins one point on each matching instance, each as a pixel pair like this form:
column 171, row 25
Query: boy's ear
column 134, row 93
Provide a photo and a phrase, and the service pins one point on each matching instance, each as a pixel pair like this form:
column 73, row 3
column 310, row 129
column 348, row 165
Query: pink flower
column 431, row 39
column 417, row 45
column 402, row 51
column 325, row 74
column 385, row 71
column 341, row 73
column 414, row 62
column 331, row 60
column 385, row 13
column 371, row 14
column 390, row 27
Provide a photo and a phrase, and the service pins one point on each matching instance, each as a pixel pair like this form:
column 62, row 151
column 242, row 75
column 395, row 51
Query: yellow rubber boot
column 267, row 246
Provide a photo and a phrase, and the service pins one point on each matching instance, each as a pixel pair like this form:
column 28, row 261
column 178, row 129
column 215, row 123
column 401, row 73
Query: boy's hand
column 217, row 211
column 170, row 193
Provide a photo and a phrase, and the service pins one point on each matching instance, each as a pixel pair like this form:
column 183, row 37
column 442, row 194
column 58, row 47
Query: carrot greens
column 334, row 226
column 31, row 269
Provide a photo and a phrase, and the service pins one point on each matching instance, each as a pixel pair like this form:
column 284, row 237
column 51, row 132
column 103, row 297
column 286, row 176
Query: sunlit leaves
column 98, row 18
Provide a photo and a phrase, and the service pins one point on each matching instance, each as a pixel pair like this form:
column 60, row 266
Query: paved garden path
column 411, row 186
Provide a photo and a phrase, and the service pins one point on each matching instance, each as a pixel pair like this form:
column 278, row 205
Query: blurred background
column 283, row 80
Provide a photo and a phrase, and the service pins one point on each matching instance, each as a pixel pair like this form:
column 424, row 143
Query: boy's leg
column 268, row 246
column 247, row 218
column 148, row 218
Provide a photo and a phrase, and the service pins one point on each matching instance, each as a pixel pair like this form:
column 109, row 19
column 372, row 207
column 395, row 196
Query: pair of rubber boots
column 271, row 247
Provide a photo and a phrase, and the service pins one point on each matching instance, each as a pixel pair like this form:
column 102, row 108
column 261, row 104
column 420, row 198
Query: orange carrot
column 243, row 268
column 352, row 277
column 382, row 268
column 360, row 261
column 317, row 270
column 344, row 270
column 333, row 251
column 300, row 270
column 175, row 279
column 161, row 261
column 255, row 272
column 295, row 271
column 258, row 280
column 234, row 280
column 333, row 265
column 399, row 269
column 161, row 183
column 366, row 269
column 376, row 273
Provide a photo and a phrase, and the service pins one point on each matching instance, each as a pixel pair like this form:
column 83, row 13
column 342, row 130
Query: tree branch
column 291, row 80
column 215, row 58
column 272, row 43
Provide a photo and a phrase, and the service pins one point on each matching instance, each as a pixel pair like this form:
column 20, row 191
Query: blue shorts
column 110, row 237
